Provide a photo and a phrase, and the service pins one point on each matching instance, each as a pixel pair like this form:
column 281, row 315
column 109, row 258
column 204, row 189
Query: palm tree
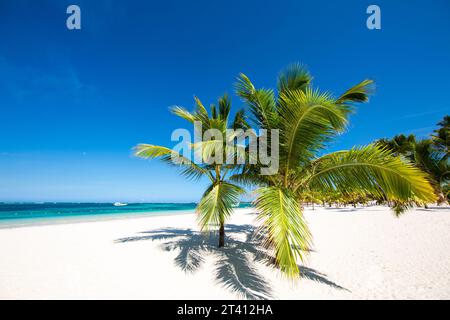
column 308, row 119
column 431, row 156
column 400, row 145
column 216, row 204
column 441, row 137
column 436, row 164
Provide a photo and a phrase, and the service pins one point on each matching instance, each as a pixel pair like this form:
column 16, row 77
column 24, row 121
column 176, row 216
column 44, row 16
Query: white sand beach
column 363, row 253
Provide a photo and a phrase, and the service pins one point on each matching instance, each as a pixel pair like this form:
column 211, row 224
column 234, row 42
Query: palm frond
column 214, row 113
column 374, row 170
column 210, row 150
column 240, row 120
column 309, row 120
column 294, row 77
column 283, row 222
column 358, row 93
column 183, row 113
column 187, row 167
column 250, row 179
column 216, row 204
column 201, row 114
column 224, row 107
column 260, row 101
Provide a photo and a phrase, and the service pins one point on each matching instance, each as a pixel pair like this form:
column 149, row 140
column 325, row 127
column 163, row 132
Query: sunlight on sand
column 358, row 254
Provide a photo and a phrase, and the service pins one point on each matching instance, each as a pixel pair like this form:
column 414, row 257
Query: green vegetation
column 216, row 204
column 430, row 155
column 307, row 119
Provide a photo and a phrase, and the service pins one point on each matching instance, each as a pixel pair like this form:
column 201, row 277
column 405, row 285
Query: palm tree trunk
column 221, row 235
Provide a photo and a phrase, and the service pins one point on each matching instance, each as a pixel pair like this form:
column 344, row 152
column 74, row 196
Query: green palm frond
column 294, row 77
column 218, row 150
column 441, row 137
column 374, row 170
column 250, row 179
column 210, row 149
column 260, row 101
column 244, row 87
column 357, row 93
column 218, row 124
column 187, row 167
column 183, row 113
column 283, row 222
column 240, row 120
column 201, row 114
column 214, row 113
column 216, row 204
column 309, row 119
column 224, row 107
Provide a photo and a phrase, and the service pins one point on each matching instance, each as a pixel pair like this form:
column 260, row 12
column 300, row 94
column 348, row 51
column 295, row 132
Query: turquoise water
column 24, row 214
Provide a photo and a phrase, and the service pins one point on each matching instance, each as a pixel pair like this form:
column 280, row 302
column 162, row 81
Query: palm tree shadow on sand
column 234, row 265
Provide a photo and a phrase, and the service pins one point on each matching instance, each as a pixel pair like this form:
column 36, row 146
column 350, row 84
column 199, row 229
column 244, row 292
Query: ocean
column 26, row 214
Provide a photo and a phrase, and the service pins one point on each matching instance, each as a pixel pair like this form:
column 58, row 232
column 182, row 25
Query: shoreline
column 85, row 218
column 49, row 221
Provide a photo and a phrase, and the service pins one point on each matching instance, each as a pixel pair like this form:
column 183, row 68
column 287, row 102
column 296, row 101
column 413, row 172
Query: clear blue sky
column 74, row 103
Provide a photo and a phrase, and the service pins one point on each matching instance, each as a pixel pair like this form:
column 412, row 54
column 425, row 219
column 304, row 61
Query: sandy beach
column 363, row 253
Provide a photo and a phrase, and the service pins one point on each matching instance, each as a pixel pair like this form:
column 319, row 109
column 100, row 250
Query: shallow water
column 25, row 214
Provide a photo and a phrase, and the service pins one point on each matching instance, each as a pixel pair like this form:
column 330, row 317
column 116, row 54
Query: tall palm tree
column 308, row 119
column 216, row 204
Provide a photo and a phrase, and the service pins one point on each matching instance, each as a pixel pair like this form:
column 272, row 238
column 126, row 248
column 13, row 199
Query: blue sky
column 74, row 103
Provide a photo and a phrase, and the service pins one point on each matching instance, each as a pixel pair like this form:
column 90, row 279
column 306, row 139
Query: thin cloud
column 424, row 131
column 32, row 82
column 421, row 114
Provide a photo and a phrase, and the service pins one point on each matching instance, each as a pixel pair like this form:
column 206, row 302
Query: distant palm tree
column 216, row 204
column 441, row 137
column 400, row 145
column 441, row 140
column 430, row 155
column 308, row 119
column 436, row 164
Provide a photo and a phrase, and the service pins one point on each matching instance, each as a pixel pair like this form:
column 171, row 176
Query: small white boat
column 119, row 204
